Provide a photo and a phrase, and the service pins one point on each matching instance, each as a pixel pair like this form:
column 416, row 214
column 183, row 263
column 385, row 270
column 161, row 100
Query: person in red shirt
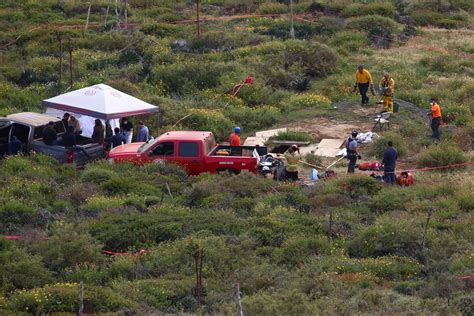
column 234, row 139
column 435, row 117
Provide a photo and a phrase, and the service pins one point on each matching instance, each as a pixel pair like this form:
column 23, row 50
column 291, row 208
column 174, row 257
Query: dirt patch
column 361, row 119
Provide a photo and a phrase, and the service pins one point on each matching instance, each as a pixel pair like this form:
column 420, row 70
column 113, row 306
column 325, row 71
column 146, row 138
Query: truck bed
column 94, row 150
column 238, row 151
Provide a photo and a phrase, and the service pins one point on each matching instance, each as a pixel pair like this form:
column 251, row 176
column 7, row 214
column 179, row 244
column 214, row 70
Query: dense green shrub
column 297, row 249
column 445, row 154
column 272, row 8
column 293, row 135
column 97, row 175
column 158, row 29
column 380, row 30
column 356, row 187
column 387, row 238
column 19, row 269
column 457, row 114
column 375, row 8
column 68, row 248
column 62, row 297
column 378, row 147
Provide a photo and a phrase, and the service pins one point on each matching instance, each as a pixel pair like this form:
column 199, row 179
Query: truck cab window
column 188, row 149
column 163, row 149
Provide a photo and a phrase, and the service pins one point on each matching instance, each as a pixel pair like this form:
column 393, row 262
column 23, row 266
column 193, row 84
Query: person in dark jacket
column 69, row 141
column 65, row 120
column 116, row 140
column 389, row 161
column 15, row 146
column 99, row 132
column 49, row 134
column 352, row 152
column 127, row 128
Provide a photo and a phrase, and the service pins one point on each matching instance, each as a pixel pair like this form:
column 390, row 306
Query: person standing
column 389, row 160
column 292, row 159
column 435, row 117
column 65, row 120
column 234, row 139
column 127, row 128
column 98, row 134
column 363, row 82
column 50, row 136
column 143, row 132
column 352, row 152
column 387, row 84
column 75, row 124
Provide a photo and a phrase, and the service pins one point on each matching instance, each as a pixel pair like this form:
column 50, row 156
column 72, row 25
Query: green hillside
column 135, row 236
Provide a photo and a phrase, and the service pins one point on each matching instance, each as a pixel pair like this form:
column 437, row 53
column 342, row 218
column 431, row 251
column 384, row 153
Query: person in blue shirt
column 389, row 161
column 143, row 133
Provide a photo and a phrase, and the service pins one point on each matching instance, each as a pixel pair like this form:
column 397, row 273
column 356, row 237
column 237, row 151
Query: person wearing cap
column 363, row 82
column 435, row 117
column 352, row 152
column 50, row 136
column 143, row 133
column 234, row 139
column 387, row 84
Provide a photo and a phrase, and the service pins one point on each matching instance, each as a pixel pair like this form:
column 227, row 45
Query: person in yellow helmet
column 387, row 84
column 363, row 82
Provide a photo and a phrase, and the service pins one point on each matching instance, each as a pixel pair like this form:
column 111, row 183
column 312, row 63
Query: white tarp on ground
column 100, row 101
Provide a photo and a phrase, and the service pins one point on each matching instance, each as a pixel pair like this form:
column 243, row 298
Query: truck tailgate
column 217, row 163
column 95, row 151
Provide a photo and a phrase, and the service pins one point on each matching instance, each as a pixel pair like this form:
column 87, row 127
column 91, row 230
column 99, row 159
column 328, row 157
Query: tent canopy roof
column 100, row 101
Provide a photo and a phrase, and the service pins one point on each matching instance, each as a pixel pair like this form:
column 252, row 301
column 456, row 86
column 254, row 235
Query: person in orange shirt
column 363, row 81
column 234, row 139
column 435, row 117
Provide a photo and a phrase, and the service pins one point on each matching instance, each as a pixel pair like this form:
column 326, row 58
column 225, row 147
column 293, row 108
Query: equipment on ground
column 373, row 166
column 382, row 120
column 405, row 179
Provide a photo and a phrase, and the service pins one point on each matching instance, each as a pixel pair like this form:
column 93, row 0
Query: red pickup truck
column 195, row 151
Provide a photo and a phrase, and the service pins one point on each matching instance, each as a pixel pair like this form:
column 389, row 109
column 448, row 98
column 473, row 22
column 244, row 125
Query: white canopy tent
column 98, row 101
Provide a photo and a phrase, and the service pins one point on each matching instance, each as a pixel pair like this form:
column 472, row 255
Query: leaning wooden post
column 70, row 49
column 197, row 19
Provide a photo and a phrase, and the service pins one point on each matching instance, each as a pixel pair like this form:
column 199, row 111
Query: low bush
column 272, row 8
column 385, row 9
column 442, row 155
column 293, row 135
column 158, row 29
column 388, row 267
column 387, row 238
column 97, row 175
column 380, row 30
column 62, row 297
column 19, row 269
column 426, row 17
column 378, row 147
column 68, row 248
column 297, row 249
column 347, row 42
column 357, row 187
column 457, row 114
column 310, row 100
